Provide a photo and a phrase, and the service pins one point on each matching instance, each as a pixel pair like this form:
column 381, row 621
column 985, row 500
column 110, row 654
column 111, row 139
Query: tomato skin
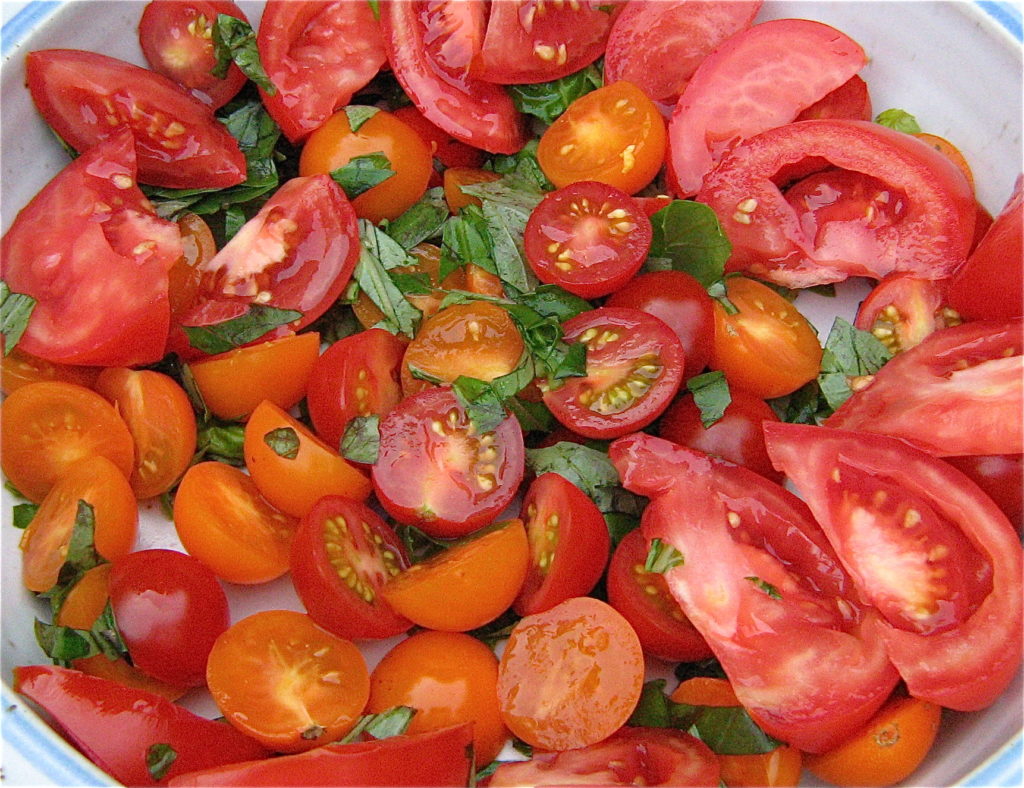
column 780, row 768
column 850, row 100
column 928, row 509
column 169, row 608
column 198, row 152
column 901, row 310
column 999, row 475
column 74, row 320
column 372, row 552
column 18, row 369
column 443, row 147
column 317, row 55
column 116, row 725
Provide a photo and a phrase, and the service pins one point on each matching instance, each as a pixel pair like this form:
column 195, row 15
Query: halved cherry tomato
column 448, row 678
column 644, row 600
column 436, row 471
column 780, row 768
column 286, row 682
column 99, row 483
column 356, row 376
column 87, row 98
column 466, row 585
column 705, row 691
column 46, row 427
column 903, row 309
column 570, row 676
column 766, row 348
column 569, row 544
column 292, row 467
column 887, row 751
column 457, row 177
column 951, row 152
column 342, row 555
column 159, row 416
column 177, row 41
column 614, row 135
column 169, row 609
column 587, row 237
column 334, row 144
column 443, row 147
column 223, row 520
column 198, row 246
column 634, row 368
column 850, row 100
column 18, row 368
column 317, row 55
column 232, row 384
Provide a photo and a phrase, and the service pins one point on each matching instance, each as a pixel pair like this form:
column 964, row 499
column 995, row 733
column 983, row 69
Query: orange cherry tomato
column 457, row 177
column 467, row 585
column 85, row 603
column 292, row 467
column 285, row 681
column 780, row 768
column 223, row 520
column 571, row 675
column 160, row 418
column 46, row 427
column 334, row 145
column 950, row 151
column 705, row 691
column 234, row 383
column 197, row 246
column 768, row 348
column 448, row 678
column 614, row 135
column 18, row 368
column 889, row 748
column 102, row 485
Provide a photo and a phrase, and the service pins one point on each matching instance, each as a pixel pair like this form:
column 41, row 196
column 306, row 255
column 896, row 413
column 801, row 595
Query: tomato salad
column 473, row 332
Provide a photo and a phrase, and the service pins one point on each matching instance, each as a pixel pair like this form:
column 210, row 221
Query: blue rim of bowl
column 26, row 732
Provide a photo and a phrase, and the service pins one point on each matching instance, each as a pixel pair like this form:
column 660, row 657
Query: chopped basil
column 220, row 441
column 64, row 644
column 15, row 311
column 375, row 7
column 898, row 119
column 849, row 353
column 392, row 722
column 548, row 100
column 765, row 586
column 485, row 402
column 422, row 222
column 619, row 524
column 107, row 636
column 719, row 291
column 590, row 470
column 284, row 442
column 465, row 239
column 80, row 558
column 159, row 759
column 234, row 220
column 235, row 40
column 358, row 114
column 384, row 248
column 532, row 416
column 711, row 395
column 523, row 167
column 806, row 405
column 362, row 173
column 418, row 544
column 554, row 302
column 687, row 237
column 238, row 331
column 661, row 557
column 361, row 440
column 377, row 255
column 22, row 514
column 656, row 710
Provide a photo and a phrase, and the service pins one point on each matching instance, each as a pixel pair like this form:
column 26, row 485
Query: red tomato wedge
column 895, row 204
column 115, row 725
column 959, row 392
column 758, row 580
column 86, row 98
column 98, row 235
column 317, row 55
column 927, row 547
column 851, row 101
column 757, row 79
column 429, row 46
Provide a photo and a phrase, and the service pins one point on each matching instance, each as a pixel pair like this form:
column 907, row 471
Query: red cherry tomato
column 902, row 310
column 443, row 146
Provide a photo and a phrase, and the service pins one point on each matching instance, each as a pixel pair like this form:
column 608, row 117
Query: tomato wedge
column 901, row 310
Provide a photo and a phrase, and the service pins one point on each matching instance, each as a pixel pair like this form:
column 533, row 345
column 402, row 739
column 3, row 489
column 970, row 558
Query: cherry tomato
column 18, row 368
column 457, row 177
column 223, row 520
column 169, row 609
column 292, row 467
column 682, row 303
column 335, row 144
column 887, row 750
column 851, row 101
column 587, row 237
column 232, row 384
column 98, row 482
column 569, row 544
column 903, row 309
column 448, row 678
column 177, row 41
column 705, row 691
column 180, row 144
column 436, row 471
column 767, row 348
column 466, row 585
column 286, row 682
column 634, row 367
column 570, row 676
column 198, row 247
column 443, row 147
column 614, row 135
column 951, row 152
column 159, row 416
column 46, row 427
column 780, row 768
column 645, row 602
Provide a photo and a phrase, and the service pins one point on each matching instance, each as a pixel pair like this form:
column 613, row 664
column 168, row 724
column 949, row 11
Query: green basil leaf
column 729, row 730
column 412, row 284
column 806, row 405
column 481, row 402
column 235, row 40
column 358, row 114
column 107, row 636
column 711, row 396
column 661, row 557
column 81, row 556
column 386, row 249
column 238, row 331
column 22, row 514
column 587, row 468
column 283, row 441
column 257, row 133
column 221, row 441
column 419, row 545
column 554, row 302
column 532, row 416
column 849, row 353
column 361, row 440
column 764, row 586
column 159, row 759
column 362, row 173
column 392, row 722
column 375, row 7
column 619, row 524
column 523, row 167
column 424, row 221
column 373, row 278
column 465, row 239
column 656, row 710
column 898, row 119
column 64, row 644
column 687, row 237
column 548, row 100
column 15, row 311
column 234, row 220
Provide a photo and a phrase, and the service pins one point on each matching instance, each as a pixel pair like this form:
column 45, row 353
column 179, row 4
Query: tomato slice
column 286, row 682
column 757, row 79
column 437, row 472
column 531, row 41
column 959, row 392
column 342, row 556
column 758, row 580
column 569, row 544
column 87, row 98
column 317, row 55
column 926, row 228
column 901, row 310
column 117, row 725
column 587, row 237
column 18, row 369
column 634, row 368
column 429, row 46
column 101, row 229
column 177, row 41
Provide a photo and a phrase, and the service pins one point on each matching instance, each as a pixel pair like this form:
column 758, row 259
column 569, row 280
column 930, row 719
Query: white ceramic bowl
column 956, row 66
